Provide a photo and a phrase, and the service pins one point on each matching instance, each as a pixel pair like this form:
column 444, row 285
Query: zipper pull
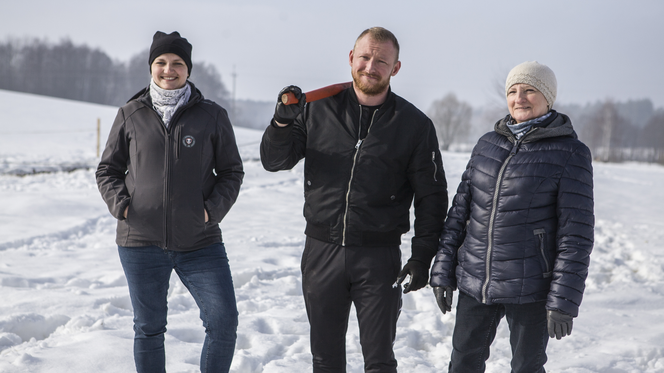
column 515, row 148
column 435, row 166
column 359, row 143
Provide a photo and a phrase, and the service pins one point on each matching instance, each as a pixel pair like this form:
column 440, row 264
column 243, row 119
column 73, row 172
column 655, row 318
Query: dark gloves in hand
column 559, row 324
column 444, row 297
column 419, row 275
column 286, row 114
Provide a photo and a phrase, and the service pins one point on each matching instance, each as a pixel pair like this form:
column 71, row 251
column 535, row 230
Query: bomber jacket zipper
column 435, row 166
column 352, row 170
column 494, row 208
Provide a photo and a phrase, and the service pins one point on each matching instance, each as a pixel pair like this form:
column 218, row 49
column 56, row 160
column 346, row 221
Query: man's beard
column 367, row 89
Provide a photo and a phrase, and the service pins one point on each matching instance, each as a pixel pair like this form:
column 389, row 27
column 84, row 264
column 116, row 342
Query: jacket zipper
column 540, row 235
column 167, row 169
column 435, row 166
column 167, row 165
column 167, row 173
column 167, row 146
column 178, row 139
column 352, row 170
column 494, row 208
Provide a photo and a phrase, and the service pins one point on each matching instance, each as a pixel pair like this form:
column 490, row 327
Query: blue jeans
column 207, row 276
column 475, row 330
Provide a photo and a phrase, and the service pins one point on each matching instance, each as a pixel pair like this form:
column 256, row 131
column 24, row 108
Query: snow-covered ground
column 64, row 305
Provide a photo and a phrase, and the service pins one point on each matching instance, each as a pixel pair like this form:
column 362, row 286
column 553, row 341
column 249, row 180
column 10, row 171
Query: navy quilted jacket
column 520, row 229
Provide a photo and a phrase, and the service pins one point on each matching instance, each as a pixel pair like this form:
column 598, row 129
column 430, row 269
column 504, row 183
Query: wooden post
column 98, row 134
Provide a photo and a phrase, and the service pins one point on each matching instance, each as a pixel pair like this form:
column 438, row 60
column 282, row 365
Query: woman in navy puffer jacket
column 518, row 236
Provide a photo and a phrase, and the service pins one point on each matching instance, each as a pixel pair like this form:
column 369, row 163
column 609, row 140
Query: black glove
column 286, row 114
column 559, row 324
column 419, row 275
column 444, row 297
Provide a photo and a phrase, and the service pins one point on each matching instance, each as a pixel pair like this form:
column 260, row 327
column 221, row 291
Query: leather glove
column 286, row 114
column 444, row 297
column 559, row 324
column 419, row 275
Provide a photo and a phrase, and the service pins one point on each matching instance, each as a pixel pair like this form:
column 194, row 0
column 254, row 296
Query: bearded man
column 369, row 155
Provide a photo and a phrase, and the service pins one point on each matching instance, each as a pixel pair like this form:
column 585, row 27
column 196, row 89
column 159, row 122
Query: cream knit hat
column 537, row 75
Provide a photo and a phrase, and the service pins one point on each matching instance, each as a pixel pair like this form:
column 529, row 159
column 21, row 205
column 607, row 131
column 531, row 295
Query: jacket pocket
column 541, row 240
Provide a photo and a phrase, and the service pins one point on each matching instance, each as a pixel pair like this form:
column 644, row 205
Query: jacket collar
column 388, row 99
column 556, row 126
column 144, row 95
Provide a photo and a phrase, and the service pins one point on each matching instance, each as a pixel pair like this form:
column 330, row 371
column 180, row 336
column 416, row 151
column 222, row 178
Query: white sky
column 598, row 48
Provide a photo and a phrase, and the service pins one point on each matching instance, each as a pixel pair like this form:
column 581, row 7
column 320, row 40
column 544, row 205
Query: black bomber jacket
column 358, row 192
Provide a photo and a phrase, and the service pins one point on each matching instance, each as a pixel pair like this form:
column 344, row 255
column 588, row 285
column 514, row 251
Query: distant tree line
column 78, row 72
column 614, row 131
column 620, row 131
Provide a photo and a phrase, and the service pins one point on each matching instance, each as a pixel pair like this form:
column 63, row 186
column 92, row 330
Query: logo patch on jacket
column 188, row 141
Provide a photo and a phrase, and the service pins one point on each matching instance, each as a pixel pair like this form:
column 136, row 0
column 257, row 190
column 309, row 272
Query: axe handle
column 317, row 94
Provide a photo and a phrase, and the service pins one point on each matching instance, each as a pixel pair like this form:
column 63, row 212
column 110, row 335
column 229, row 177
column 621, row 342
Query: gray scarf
column 520, row 129
column 167, row 101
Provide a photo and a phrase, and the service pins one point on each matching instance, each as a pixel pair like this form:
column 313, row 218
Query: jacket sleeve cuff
column 278, row 134
column 122, row 207
column 274, row 124
column 422, row 254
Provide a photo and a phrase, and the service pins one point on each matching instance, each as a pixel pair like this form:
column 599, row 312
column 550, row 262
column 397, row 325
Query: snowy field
column 64, row 305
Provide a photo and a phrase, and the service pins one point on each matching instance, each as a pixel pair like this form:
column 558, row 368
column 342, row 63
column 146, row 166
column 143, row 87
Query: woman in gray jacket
column 169, row 173
column 518, row 237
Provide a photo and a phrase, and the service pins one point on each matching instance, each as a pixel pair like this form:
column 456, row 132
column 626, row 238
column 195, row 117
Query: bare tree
column 652, row 138
column 451, row 118
column 608, row 133
column 653, row 132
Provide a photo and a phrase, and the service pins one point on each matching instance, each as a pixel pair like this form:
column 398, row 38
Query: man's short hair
column 380, row 35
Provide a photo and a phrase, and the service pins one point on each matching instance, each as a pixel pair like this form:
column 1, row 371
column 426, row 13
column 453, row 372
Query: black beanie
column 170, row 43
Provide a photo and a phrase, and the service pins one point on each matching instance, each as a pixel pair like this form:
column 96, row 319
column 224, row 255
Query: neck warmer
column 167, row 101
column 520, row 129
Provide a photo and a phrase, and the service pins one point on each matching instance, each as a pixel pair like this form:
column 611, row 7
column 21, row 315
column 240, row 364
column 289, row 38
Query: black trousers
column 333, row 276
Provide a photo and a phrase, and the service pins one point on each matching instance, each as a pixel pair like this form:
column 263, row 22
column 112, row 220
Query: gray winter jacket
column 520, row 229
column 169, row 176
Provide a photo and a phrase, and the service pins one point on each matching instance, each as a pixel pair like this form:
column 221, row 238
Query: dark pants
column 207, row 276
column 475, row 330
column 335, row 276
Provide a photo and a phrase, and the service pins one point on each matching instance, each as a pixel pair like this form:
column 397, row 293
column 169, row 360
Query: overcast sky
column 598, row 49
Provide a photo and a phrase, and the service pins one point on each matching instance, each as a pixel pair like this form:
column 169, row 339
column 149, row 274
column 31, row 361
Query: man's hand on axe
column 291, row 100
column 285, row 114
